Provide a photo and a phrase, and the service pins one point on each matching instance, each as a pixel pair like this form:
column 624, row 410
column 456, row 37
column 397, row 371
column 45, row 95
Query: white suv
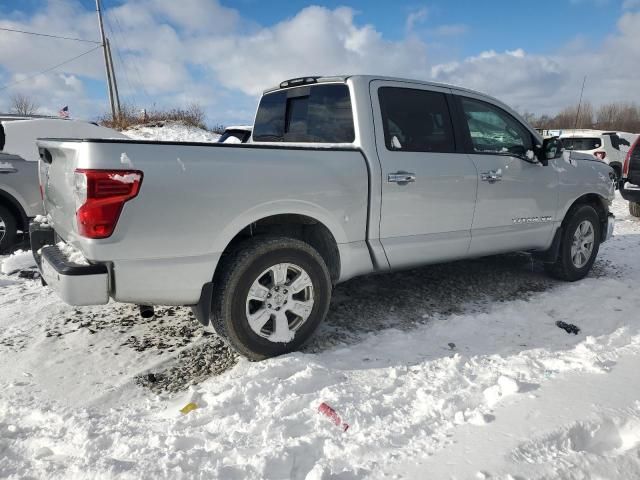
column 603, row 145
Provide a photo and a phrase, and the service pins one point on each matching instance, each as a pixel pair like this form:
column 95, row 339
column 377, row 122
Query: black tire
column 634, row 209
column 564, row 267
column 617, row 169
column 240, row 270
column 8, row 237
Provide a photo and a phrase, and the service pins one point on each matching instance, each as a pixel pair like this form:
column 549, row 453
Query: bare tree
column 23, row 105
column 571, row 117
column 620, row 116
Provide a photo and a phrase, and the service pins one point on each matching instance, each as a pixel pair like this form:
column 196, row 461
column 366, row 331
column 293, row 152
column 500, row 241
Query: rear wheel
column 579, row 246
column 634, row 209
column 270, row 296
column 8, row 229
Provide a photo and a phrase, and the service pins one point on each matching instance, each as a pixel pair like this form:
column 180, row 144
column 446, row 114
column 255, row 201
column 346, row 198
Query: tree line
column 616, row 116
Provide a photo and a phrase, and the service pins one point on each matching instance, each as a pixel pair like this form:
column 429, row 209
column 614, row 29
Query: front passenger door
column 517, row 196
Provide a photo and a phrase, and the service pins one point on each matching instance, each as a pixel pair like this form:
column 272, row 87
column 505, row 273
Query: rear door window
column 581, row 143
column 416, row 120
column 311, row 114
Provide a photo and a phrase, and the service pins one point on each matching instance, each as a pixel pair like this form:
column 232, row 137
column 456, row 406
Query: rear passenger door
column 428, row 183
column 517, row 196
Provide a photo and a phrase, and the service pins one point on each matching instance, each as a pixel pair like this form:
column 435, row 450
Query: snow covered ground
column 171, row 131
column 451, row 371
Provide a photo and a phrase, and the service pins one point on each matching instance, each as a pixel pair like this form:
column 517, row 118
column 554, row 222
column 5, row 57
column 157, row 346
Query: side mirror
column 551, row 148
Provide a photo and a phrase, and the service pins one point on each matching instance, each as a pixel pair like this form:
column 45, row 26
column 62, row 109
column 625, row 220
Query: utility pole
column 113, row 79
column 106, row 61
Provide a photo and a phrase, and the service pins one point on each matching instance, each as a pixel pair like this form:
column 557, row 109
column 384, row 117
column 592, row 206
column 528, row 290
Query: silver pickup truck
column 344, row 176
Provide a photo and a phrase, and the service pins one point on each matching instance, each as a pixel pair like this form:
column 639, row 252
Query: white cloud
column 22, row 53
column 547, row 83
column 60, row 90
column 416, row 17
column 316, row 41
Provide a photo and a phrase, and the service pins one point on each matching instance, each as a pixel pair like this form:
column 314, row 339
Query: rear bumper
column 75, row 284
column 629, row 191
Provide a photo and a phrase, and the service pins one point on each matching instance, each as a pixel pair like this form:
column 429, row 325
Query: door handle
column 492, row 176
column 401, row 178
column 8, row 170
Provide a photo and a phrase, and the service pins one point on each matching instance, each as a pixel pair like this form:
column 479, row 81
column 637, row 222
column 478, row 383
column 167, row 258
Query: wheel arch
column 598, row 202
column 294, row 225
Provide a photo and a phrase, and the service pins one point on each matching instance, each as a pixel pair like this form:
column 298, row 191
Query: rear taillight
column 100, row 196
column 627, row 159
column 600, row 155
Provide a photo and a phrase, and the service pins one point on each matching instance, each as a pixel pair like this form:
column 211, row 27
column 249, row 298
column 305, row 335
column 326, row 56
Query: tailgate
column 57, row 164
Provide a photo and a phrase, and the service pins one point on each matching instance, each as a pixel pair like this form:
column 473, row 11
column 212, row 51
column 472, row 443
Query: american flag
column 64, row 112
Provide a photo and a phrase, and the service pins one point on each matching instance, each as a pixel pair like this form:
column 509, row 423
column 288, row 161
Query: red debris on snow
column 330, row 413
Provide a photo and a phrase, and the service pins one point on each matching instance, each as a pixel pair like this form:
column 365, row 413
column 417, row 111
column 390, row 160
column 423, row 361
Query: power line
column 134, row 64
column 50, row 36
column 123, row 69
column 4, row 87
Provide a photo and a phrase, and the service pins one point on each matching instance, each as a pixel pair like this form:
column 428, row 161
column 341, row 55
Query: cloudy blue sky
column 221, row 54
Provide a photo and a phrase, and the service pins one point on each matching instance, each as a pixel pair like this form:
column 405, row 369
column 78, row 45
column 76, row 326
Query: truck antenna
column 575, row 126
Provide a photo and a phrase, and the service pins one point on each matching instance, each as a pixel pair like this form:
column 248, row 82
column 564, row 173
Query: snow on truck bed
column 170, row 131
column 457, row 370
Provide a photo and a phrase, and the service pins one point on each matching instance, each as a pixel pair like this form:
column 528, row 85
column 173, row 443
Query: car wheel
column 8, row 229
column 270, row 296
column 579, row 245
column 634, row 209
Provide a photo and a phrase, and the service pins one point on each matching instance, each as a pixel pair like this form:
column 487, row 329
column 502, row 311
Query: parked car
column 236, row 134
column 630, row 182
column 603, row 145
column 20, row 197
column 346, row 176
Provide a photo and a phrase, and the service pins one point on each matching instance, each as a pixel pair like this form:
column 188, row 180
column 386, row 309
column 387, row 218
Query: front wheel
column 270, row 296
column 579, row 246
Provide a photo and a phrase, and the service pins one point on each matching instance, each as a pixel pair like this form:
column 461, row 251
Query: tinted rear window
column 318, row 113
column 416, row 120
column 581, row 143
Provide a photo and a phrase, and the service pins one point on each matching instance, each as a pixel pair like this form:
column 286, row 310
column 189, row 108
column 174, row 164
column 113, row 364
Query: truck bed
column 195, row 198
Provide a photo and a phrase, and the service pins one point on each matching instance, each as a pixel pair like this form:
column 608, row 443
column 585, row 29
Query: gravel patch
column 204, row 360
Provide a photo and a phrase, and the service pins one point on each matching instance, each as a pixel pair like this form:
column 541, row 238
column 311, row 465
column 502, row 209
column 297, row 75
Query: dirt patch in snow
column 206, row 359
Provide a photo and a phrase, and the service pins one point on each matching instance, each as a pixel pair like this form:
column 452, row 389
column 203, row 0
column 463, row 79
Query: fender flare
column 279, row 207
